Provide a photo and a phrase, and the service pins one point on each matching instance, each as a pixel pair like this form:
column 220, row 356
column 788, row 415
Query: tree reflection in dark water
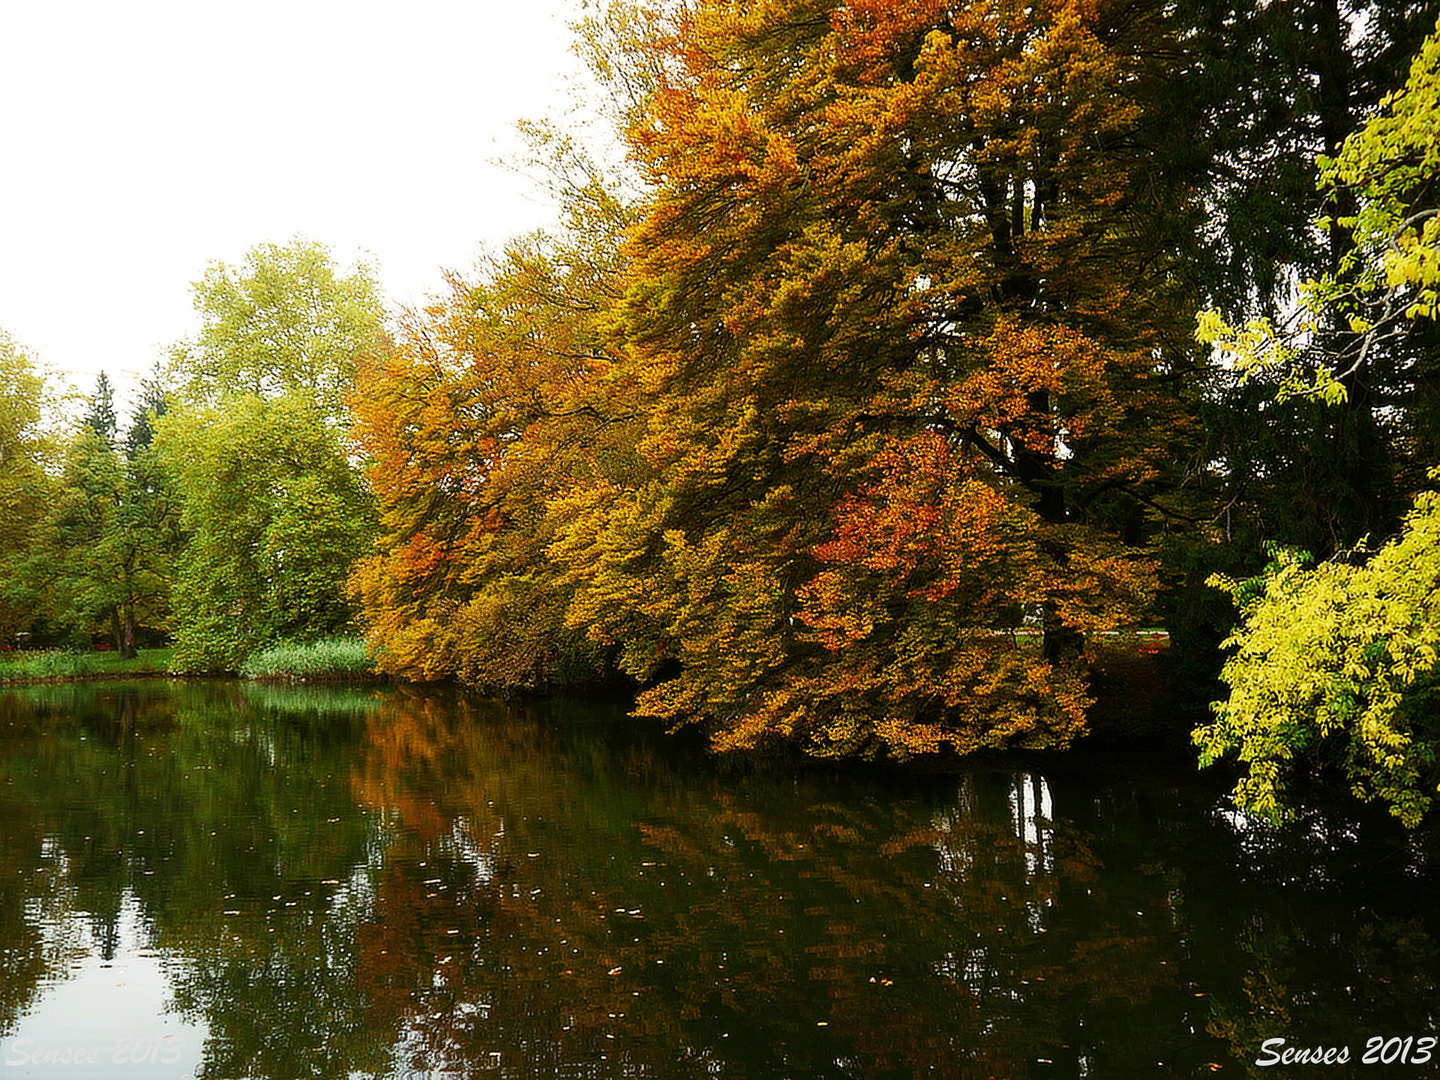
column 394, row 882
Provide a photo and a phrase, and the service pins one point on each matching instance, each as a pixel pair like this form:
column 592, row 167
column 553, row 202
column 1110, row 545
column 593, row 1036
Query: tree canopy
column 871, row 388
column 1340, row 664
column 283, row 320
column 27, row 449
column 896, row 318
column 879, row 404
column 275, row 511
column 858, row 410
column 492, row 404
column 275, row 515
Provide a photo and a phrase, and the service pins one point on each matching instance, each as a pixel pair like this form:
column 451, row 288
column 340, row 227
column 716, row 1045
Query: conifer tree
column 113, row 531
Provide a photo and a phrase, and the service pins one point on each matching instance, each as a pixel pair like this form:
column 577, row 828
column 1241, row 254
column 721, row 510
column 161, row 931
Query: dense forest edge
column 916, row 373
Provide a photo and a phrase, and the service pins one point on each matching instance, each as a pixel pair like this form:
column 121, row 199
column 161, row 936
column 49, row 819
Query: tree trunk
column 128, row 630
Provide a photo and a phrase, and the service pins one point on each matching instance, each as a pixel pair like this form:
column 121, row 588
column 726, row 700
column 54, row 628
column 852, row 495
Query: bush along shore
column 329, row 659
column 326, row 660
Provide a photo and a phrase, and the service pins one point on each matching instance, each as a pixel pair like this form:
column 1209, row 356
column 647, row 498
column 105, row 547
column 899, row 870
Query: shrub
column 328, row 658
column 49, row 664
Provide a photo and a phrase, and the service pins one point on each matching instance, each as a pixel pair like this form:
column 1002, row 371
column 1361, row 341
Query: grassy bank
column 53, row 665
column 336, row 659
column 330, row 658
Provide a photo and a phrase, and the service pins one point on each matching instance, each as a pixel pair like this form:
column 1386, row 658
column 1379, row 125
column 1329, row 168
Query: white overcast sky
column 142, row 139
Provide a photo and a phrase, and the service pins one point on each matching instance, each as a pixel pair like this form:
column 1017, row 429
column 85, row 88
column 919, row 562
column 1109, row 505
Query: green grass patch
column 55, row 665
column 329, row 658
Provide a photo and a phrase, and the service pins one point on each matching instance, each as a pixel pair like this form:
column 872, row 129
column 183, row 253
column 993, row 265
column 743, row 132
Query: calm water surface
column 229, row 881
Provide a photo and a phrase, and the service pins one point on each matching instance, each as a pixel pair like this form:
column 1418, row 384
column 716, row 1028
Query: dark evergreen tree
column 100, row 411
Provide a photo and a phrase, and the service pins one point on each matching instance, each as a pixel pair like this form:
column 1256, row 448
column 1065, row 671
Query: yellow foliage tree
column 1340, row 664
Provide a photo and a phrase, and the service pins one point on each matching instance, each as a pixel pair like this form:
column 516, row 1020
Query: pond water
column 232, row 880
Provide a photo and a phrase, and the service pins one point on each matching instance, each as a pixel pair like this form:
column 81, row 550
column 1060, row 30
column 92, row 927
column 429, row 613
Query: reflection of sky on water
column 461, row 845
column 1031, row 809
column 112, row 1012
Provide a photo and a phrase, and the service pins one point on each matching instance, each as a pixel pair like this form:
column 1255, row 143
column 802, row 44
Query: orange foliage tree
column 901, row 325
column 492, row 401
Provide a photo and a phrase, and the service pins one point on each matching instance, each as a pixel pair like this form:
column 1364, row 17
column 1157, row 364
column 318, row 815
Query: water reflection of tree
column 229, row 822
column 62, row 845
column 281, row 860
column 1333, row 914
column 967, row 930
column 356, row 884
column 546, row 901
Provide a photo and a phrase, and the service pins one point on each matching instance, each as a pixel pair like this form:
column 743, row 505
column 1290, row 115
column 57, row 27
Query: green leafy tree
column 275, row 513
column 1339, row 665
column 114, row 527
column 120, row 525
column 1323, row 478
column 1269, row 90
column 27, row 449
column 86, row 533
column 275, row 509
column 285, row 320
column 1385, row 191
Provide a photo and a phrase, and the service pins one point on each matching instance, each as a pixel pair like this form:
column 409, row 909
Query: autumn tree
column 493, row 403
column 902, row 323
